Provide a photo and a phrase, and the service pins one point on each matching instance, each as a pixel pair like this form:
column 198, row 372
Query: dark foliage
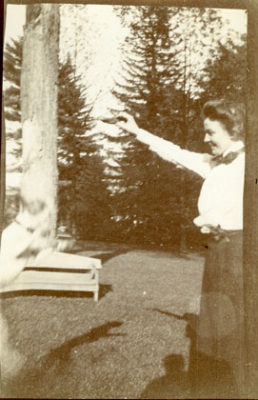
column 83, row 195
column 12, row 112
column 227, row 73
column 150, row 205
column 12, row 75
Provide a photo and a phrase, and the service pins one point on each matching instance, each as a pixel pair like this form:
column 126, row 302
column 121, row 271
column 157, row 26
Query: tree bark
column 39, row 78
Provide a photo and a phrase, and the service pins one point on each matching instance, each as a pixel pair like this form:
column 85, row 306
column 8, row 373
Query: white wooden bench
column 59, row 271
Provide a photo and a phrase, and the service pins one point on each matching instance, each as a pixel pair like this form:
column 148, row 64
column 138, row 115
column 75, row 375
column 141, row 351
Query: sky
column 16, row 18
column 237, row 19
column 101, row 39
column 104, row 37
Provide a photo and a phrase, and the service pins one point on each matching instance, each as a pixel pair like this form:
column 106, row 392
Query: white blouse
column 221, row 198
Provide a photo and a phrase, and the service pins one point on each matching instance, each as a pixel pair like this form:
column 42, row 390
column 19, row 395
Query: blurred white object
column 13, row 180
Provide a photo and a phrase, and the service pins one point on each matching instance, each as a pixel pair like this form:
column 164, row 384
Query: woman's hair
column 231, row 115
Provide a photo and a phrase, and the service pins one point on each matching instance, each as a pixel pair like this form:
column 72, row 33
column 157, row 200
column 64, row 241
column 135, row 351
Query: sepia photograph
column 125, row 189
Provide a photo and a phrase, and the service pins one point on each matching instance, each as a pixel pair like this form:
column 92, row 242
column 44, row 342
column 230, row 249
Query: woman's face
column 216, row 136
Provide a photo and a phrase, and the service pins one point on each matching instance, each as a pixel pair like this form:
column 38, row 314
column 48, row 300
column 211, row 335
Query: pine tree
column 150, row 186
column 92, row 212
column 12, row 112
column 227, row 74
column 12, row 76
column 72, row 124
column 82, row 193
column 73, row 120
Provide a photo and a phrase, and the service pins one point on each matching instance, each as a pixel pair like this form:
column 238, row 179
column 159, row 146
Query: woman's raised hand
column 127, row 122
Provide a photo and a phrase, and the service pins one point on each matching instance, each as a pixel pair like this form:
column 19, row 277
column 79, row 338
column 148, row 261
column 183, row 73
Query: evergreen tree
column 83, row 195
column 11, row 94
column 149, row 70
column 151, row 90
column 12, row 111
column 92, row 209
column 12, row 74
column 227, row 74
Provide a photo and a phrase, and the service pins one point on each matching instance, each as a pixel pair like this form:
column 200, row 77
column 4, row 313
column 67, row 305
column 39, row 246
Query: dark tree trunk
column 251, row 210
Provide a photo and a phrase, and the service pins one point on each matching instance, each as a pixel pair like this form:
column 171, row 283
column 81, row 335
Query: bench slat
column 36, row 278
column 66, row 260
column 83, row 287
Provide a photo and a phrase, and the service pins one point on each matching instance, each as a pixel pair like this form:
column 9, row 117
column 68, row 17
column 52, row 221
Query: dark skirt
column 219, row 338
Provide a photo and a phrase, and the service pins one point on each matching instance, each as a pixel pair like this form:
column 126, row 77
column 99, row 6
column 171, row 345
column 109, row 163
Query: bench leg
column 96, row 291
column 96, row 295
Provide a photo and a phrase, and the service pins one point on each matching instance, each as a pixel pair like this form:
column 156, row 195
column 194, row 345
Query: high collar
column 234, row 147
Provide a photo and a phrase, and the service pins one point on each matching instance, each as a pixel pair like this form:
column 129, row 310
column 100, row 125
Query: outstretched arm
column 167, row 150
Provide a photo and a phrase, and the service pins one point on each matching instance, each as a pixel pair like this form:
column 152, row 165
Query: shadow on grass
column 63, row 352
column 206, row 377
column 48, row 377
column 156, row 252
column 174, row 253
column 82, row 246
column 106, row 255
column 191, row 319
column 174, row 384
column 103, row 290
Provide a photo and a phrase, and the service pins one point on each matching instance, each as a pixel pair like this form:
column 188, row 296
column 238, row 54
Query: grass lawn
column 130, row 344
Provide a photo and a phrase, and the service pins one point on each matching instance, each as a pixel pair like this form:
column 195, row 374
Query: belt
column 218, row 234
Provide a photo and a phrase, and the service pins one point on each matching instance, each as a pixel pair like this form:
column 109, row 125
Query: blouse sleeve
column 197, row 162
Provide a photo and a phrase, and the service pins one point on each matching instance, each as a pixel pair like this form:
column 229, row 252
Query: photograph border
column 251, row 172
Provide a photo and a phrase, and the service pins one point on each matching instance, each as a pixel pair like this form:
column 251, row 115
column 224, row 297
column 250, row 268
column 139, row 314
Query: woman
column 219, row 336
